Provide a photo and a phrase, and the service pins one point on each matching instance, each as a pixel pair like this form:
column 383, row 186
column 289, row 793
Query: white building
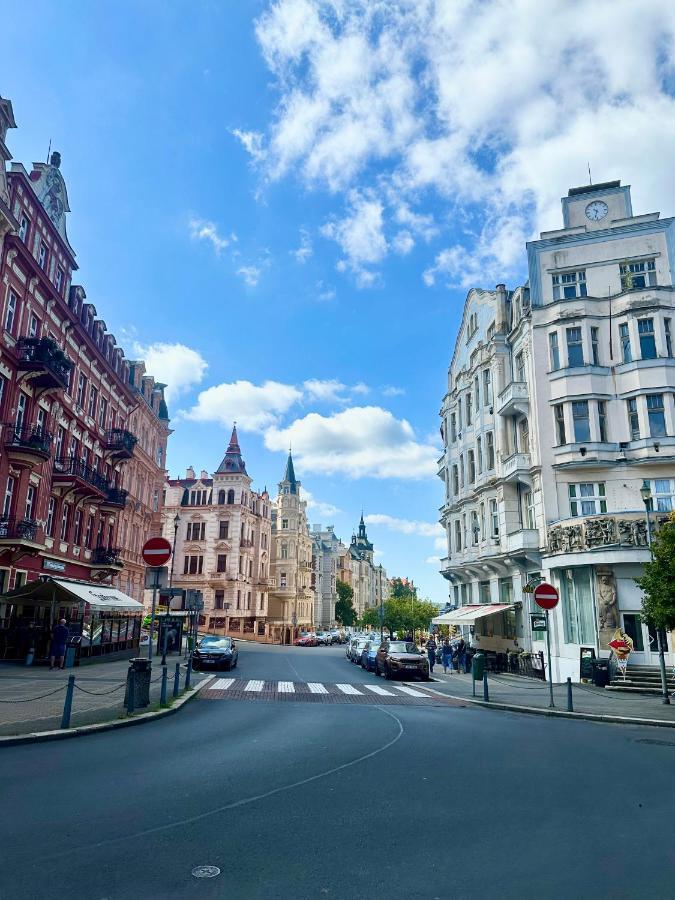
column 581, row 418
column 326, row 549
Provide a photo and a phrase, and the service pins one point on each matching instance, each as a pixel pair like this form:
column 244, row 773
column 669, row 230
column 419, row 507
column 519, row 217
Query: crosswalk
column 314, row 691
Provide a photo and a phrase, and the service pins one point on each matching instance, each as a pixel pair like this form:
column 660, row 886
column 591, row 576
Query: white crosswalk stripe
column 316, row 688
column 221, row 684
column 255, row 686
column 376, row 689
column 285, row 687
column 348, row 689
column 412, row 692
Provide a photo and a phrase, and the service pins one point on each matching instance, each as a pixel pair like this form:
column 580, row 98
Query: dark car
column 215, row 652
column 402, row 658
column 369, row 655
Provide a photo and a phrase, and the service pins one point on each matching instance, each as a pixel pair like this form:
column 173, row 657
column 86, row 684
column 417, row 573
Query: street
column 347, row 800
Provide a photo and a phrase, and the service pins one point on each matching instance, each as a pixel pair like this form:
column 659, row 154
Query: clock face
column 596, row 210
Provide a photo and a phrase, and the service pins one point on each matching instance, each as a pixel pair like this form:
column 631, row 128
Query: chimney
column 190, row 472
column 204, row 474
column 502, row 320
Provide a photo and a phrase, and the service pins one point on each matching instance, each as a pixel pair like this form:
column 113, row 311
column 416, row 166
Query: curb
column 59, row 734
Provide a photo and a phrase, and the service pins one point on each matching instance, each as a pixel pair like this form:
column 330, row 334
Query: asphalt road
column 294, row 800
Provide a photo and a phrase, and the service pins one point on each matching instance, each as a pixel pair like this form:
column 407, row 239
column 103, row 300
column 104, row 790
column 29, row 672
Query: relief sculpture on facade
column 632, row 532
column 599, row 532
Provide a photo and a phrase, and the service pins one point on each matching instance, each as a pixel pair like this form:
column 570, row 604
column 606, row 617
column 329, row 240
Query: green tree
column 658, row 581
column 345, row 613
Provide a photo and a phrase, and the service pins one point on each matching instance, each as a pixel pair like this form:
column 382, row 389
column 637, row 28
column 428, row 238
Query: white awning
column 100, row 597
column 467, row 615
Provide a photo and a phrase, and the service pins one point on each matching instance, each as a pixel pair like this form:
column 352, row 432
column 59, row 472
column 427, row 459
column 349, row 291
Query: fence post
column 162, row 695
column 570, row 707
column 131, row 691
column 486, row 693
column 176, row 680
column 68, row 702
column 188, row 672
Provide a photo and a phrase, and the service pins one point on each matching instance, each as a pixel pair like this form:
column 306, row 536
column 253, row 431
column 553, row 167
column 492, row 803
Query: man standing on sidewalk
column 58, row 648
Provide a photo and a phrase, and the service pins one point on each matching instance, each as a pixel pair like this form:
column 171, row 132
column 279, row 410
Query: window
column 193, row 565
column 219, row 599
column 42, row 255
column 469, row 408
column 77, row 527
column 455, row 480
column 58, row 281
column 624, row 340
column 475, row 528
column 33, row 325
column 633, row 419
column 284, row 524
column 22, row 403
column 484, row 592
column 9, row 494
column 482, row 521
column 196, row 531
column 93, row 397
column 587, row 499
column 494, row 519
column 476, row 391
column 459, row 413
column 65, row 521
column 602, row 420
column 636, row 275
column 575, row 350
column 239, row 599
column 479, row 454
column 580, row 418
column 81, row 390
column 528, row 510
column 23, row 228
column 656, row 415
column 453, row 427
column 102, row 412
column 10, row 313
column 461, row 471
column 632, row 625
column 663, row 494
column 284, row 550
column 524, row 436
column 569, row 285
column 490, row 448
column 506, row 590
column 520, row 367
column 559, row 414
column 647, row 341
column 89, row 532
column 578, row 606
column 30, row 501
column 230, row 497
column 669, row 338
column 458, row 536
column 487, row 388
column 221, row 498
column 595, row 345
column 554, row 351
column 221, row 562
column 471, row 466
column 223, row 530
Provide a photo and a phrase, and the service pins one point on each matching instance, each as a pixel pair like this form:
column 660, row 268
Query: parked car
column 356, row 647
column 215, row 652
column 323, row 638
column 401, row 658
column 369, row 655
column 336, row 637
column 305, row 640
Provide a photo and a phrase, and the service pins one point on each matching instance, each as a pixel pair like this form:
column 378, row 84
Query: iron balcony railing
column 68, row 465
column 27, row 437
column 120, row 441
column 45, row 353
column 107, row 556
column 18, row 529
column 117, row 496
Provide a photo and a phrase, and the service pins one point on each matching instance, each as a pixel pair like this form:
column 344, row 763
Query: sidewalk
column 515, row 690
column 31, row 699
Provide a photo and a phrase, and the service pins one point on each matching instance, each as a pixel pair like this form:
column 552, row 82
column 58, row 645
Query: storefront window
column 578, row 606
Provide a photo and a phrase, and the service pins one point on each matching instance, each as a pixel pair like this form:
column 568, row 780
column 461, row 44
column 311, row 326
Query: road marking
column 221, row 684
column 255, row 686
column 412, row 693
column 316, row 688
column 286, row 687
column 376, row 689
column 348, row 689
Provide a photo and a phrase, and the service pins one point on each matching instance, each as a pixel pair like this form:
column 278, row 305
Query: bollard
column 188, row 673
column 68, row 703
column 176, row 680
column 486, row 693
column 131, row 692
column 570, row 707
column 162, row 696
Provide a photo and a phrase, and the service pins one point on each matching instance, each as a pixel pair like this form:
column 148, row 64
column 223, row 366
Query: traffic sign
column 546, row 596
column 156, row 551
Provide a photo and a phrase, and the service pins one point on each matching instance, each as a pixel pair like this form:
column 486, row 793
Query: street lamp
column 176, row 523
column 646, row 494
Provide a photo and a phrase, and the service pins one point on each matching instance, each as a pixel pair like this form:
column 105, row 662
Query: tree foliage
column 658, row 581
column 345, row 613
column 401, row 615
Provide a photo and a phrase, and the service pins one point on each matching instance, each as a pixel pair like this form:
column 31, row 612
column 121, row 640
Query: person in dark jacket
column 58, row 648
column 446, row 656
column 431, row 653
column 461, row 656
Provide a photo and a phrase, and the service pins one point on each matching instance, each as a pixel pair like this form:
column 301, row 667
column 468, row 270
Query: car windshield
column 211, row 642
column 402, row 647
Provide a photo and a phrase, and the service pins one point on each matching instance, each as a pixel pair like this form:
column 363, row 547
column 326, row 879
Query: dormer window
column 569, row 285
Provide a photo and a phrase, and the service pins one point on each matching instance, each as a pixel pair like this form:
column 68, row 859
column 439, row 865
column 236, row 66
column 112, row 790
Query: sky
column 282, row 205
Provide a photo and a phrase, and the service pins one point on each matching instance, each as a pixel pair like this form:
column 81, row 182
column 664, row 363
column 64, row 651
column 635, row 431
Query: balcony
column 18, row 530
column 26, row 444
column 116, row 498
column 107, row 557
column 516, row 467
column 47, row 366
column 524, row 539
column 515, row 398
column 120, row 444
column 76, row 478
column 245, row 543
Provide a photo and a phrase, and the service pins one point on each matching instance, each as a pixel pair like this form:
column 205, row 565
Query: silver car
column 357, row 647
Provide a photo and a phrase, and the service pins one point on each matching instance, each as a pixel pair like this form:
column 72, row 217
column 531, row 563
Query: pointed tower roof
column 232, row 463
column 289, row 474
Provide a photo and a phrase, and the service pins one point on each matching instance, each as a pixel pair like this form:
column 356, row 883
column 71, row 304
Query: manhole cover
column 206, row 871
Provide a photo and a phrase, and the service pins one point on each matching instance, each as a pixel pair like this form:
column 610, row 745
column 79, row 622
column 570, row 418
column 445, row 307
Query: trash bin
column 600, row 672
column 478, row 666
column 141, row 670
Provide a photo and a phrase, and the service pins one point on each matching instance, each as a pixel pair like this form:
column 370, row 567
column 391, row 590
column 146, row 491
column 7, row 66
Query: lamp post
column 646, row 494
column 176, row 523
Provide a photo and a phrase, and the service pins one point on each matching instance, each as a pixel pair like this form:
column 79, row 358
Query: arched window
column 221, row 498
column 230, row 496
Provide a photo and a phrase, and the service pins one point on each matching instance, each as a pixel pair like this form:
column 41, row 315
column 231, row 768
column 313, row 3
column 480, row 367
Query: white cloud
column 179, row 366
column 250, row 274
column 304, row 251
column 328, row 390
column 324, row 292
column 203, row 230
column 491, row 109
column 252, row 142
column 325, row 510
column 360, row 388
column 406, row 526
column 253, row 407
column 391, row 391
column 365, row 441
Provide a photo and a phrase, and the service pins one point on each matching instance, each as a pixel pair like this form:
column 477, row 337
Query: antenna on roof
column 49, row 151
column 590, row 177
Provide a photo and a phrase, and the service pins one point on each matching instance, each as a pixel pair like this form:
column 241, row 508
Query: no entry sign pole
column 156, row 551
column 546, row 596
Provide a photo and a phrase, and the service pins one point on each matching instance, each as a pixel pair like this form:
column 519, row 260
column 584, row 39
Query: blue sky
column 282, row 206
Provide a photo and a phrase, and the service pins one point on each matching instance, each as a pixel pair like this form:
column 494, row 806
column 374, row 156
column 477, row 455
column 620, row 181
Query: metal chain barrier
column 522, row 687
column 607, row 694
column 41, row 697
column 99, row 693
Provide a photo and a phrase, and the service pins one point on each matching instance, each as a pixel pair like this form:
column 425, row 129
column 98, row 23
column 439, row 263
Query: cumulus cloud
column 180, row 367
column 331, row 389
column 253, row 407
column 304, row 251
column 365, row 441
column 406, row 526
column 391, row 390
column 203, row 230
column 325, row 510
column 492, row 109
column 252, row 142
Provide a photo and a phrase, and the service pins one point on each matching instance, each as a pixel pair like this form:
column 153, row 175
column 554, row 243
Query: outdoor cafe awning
column 468, row 615
column 100, row 597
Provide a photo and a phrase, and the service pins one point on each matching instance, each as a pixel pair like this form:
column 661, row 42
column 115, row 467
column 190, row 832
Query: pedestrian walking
column 461, row 656
column 446, row 656
column 58, row 647
column 431, row 653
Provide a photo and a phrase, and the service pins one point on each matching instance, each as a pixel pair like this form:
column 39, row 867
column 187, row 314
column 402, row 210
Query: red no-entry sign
column 546, row 596
column 156, row 551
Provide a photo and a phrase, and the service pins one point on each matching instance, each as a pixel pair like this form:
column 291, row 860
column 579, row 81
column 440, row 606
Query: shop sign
column 538, row 622
column 54, row 565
